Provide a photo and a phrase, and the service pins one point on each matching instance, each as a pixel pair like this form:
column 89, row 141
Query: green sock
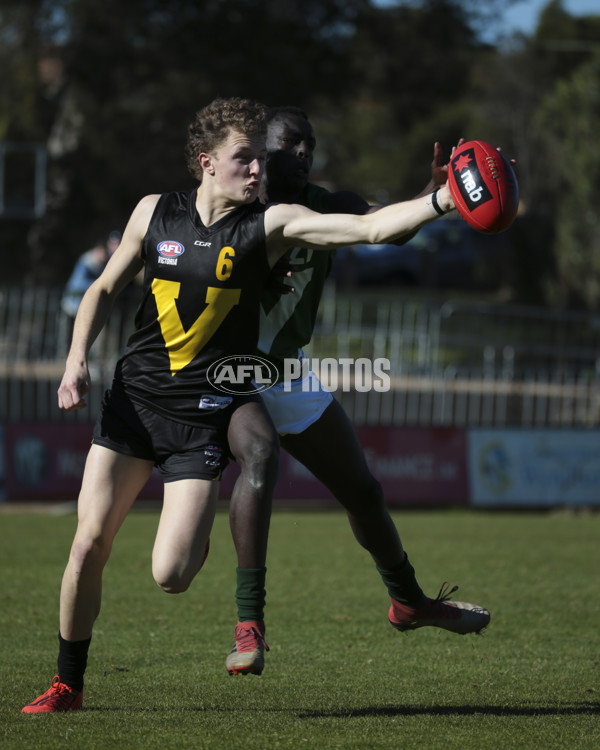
column 250, row 593
column 402, row 584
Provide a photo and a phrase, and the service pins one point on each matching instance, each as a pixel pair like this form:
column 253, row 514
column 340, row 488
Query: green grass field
column 337, row 675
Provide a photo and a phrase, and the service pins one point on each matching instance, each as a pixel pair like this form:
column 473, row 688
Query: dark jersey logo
column 469, row 180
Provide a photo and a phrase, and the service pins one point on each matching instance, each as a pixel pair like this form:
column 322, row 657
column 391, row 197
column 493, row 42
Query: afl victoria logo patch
column 169, row 251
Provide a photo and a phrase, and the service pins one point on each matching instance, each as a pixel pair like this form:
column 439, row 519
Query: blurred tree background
column 109, row 88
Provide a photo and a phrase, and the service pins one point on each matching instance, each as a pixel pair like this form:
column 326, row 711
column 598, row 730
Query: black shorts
column 179, row 451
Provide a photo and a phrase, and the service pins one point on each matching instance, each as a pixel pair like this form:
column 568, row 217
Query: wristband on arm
column 434, row 202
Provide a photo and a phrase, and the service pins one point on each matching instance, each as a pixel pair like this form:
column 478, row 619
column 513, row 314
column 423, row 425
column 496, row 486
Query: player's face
column 290, row 149
column 239, row 164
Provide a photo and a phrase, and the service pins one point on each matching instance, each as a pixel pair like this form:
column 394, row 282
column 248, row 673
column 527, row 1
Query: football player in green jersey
column 312, row 425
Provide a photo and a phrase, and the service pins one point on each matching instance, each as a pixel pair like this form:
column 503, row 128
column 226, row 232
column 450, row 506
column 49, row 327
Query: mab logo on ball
column 469, row 181
column 242, row 374
column 169, row 251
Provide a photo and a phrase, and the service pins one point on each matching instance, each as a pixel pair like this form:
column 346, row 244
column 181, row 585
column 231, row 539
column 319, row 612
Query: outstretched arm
column 97, row 302
column 292, row 225
column 346, row 202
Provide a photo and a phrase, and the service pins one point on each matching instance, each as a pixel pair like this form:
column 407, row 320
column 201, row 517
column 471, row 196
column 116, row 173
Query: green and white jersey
column 287, row 321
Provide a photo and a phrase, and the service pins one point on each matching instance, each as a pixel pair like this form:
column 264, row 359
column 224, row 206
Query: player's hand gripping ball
column 483, row 186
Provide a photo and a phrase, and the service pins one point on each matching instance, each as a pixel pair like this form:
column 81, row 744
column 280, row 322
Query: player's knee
column 176, row 587
column 171, row 582
column 260, row 461
column 89, row 550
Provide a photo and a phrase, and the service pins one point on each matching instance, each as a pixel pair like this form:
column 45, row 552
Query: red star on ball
column 462, row 162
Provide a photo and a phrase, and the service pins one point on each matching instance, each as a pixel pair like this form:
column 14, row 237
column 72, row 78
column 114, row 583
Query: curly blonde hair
column 213, row 123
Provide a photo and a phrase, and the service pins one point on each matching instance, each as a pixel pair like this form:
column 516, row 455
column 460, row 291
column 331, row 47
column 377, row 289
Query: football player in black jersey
column 206, row 254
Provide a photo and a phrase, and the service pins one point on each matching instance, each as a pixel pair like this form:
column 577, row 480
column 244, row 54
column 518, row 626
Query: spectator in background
column 87, row 269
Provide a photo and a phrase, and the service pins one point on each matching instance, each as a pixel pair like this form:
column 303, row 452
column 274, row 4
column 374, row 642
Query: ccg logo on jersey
column 169, row 251
column 242, row 374
column 469, row 181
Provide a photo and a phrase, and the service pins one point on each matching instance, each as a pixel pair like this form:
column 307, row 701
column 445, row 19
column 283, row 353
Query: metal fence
column 466, row 364
column 454, row 363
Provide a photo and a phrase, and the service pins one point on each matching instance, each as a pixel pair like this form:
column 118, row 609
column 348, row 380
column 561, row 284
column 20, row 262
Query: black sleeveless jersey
column 200, row 302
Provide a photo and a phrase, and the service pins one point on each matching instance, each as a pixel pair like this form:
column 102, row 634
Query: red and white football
column 483, row 186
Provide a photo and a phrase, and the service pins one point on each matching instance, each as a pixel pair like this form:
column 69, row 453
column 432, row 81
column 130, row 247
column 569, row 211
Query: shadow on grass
column 580, row 709
column 570, row 710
